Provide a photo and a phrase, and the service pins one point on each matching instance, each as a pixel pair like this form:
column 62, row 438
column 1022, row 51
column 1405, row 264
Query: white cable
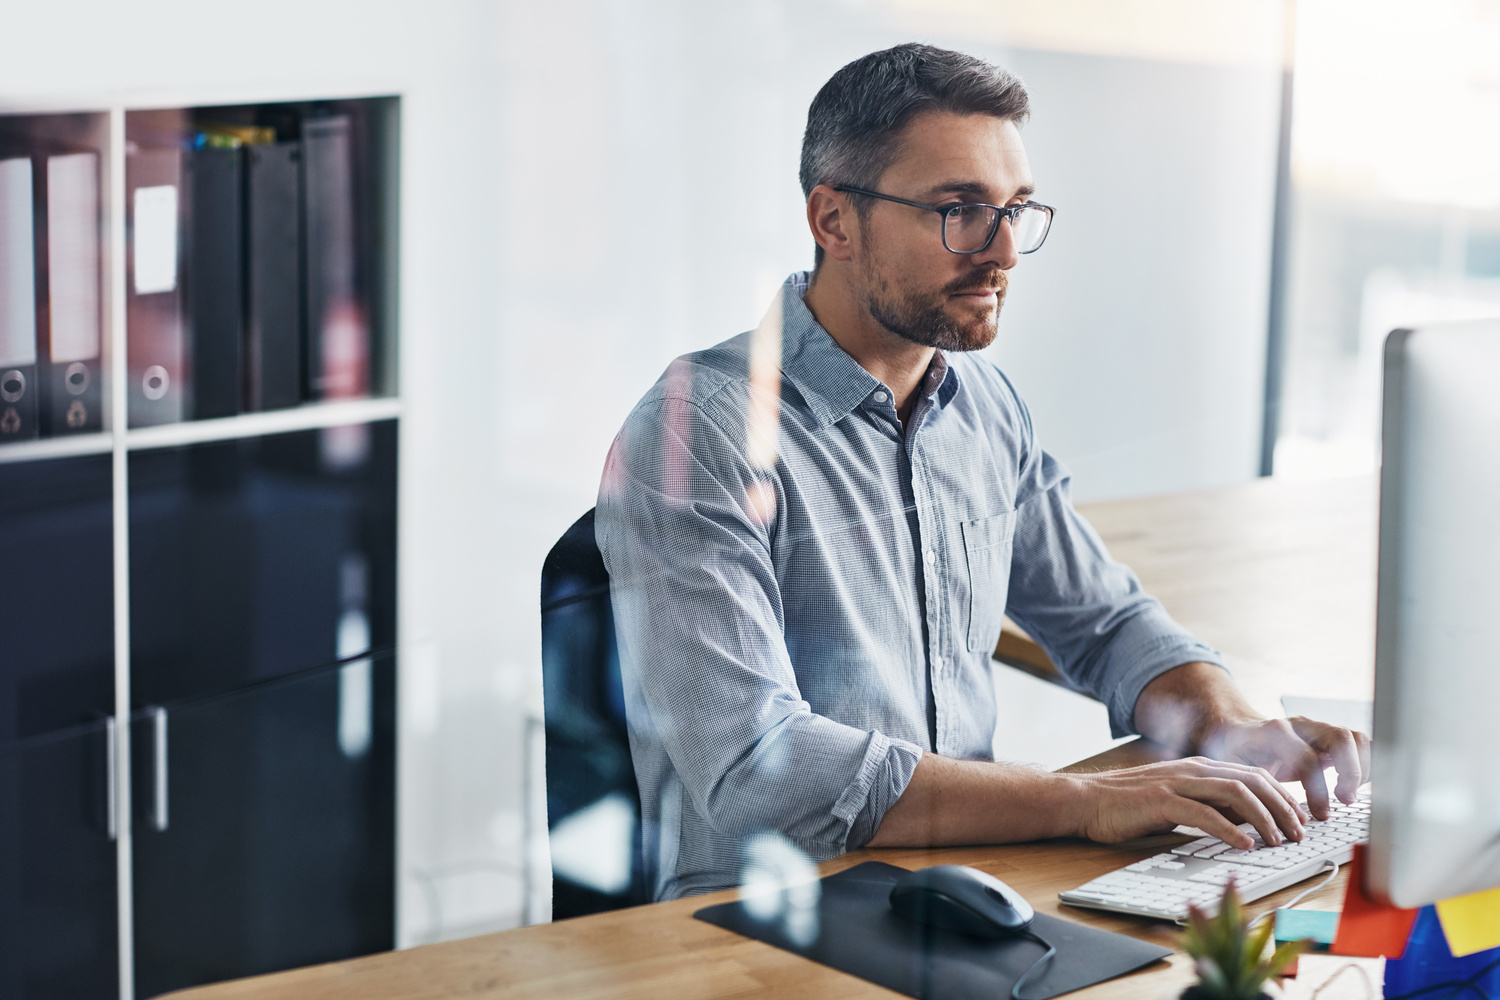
column 1302, row 895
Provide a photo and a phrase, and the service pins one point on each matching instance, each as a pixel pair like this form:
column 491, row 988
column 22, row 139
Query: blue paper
column 1427, row 964
column 1321, row 926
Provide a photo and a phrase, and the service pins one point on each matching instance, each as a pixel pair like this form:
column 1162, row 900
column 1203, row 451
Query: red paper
column 1370, row 929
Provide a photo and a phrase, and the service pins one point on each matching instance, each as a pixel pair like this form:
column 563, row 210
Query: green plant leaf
column 1286, row 953
column 1229, row 954
column 1258, row 939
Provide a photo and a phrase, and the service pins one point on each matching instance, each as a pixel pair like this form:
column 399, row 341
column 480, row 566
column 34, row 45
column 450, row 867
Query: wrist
column 1072, row 800
column 1188, row 708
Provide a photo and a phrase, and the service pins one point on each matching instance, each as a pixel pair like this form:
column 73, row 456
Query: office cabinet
column 57, row 856
column 199, row 427
column 263, row 754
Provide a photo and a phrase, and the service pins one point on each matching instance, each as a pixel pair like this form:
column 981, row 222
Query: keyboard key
column 1258, row 859
column 1194, row 846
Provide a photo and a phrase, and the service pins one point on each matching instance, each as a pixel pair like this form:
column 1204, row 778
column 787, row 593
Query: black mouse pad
column 856, row 931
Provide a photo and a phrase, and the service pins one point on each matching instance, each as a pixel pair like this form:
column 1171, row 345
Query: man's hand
column 1195, row 708
column 1212, row 795
column 1298, row 749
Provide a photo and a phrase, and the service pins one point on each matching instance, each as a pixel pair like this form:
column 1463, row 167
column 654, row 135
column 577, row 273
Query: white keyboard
column 1196, row 873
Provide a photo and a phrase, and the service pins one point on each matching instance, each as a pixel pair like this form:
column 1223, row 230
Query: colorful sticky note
column 1369, row 928
column 1318, row 926
column 1471, row 923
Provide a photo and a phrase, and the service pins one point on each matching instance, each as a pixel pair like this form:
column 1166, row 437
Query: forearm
column 950, row 802
column 1184, row 708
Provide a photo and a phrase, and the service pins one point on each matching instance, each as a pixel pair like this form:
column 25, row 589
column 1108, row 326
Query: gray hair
column 855, row 122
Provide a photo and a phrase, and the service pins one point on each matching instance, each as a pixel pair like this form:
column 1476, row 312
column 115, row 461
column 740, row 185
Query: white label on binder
column 17, row 266
column 155, row 239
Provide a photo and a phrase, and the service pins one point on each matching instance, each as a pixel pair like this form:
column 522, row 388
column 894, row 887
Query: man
column 813, row 531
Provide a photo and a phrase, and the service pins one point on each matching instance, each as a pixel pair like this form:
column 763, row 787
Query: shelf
column 58, row 447
column 301, row 418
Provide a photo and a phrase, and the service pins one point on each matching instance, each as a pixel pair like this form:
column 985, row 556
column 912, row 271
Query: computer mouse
column 959, row 898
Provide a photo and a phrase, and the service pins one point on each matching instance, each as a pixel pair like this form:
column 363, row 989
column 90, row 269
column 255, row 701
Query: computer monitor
column 1435, row 821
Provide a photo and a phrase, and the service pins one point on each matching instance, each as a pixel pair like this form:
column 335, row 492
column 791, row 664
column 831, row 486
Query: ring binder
column 74, row 320
column 215, row 299
column 18, row 394
column 154, row 353
column 273, row 224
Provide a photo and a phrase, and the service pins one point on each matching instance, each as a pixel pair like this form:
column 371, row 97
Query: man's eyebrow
column 972, row 189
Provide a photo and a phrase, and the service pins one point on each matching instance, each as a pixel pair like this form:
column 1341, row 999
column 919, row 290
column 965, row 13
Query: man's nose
column 1002, row 249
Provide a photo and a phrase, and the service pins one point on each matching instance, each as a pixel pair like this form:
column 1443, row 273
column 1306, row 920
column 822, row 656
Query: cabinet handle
column 159, row 814
column 111, row 790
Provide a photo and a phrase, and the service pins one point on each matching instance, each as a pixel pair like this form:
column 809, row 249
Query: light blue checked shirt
column 795, row 631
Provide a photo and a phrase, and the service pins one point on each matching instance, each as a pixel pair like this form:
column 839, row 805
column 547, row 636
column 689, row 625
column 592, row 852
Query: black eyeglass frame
column 1002, row 212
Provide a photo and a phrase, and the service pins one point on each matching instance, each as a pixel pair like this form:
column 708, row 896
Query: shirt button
column 931, row 556
column 880, row 397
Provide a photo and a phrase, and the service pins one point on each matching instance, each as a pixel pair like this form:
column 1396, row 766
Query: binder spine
column 214, row 291
column 338, row 340
column 274, row 306
column 18, row 317
column 74, row 322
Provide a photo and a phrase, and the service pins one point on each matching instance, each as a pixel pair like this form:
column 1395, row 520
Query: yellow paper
column 1471, row 923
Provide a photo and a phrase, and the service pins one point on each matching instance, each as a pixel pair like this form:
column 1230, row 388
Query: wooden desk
column 1279, row 576
column 659, row 952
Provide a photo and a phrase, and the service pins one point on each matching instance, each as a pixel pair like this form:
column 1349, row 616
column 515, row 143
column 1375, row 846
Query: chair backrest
column 593, row 804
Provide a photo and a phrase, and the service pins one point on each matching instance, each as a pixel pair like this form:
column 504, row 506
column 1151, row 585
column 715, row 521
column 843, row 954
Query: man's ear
column 831, row 217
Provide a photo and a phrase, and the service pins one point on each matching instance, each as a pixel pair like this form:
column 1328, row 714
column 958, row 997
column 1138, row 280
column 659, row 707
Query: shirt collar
column 832, row 382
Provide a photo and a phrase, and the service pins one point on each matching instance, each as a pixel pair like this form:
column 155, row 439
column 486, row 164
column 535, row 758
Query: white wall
column 1137, row 333
column 591, row 187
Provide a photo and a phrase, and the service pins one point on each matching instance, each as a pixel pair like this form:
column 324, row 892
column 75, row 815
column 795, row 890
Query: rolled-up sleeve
column 686, row 526
column 1089, row 612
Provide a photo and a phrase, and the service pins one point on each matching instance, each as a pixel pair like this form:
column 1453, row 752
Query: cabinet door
column 57, row 861
column 58, row 936
column 264, row 826
column 249, row 558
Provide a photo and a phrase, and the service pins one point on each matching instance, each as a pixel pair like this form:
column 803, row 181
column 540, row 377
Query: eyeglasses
column 971, row 228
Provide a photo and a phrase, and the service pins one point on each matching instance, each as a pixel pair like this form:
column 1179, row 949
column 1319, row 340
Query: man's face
column 912, row 285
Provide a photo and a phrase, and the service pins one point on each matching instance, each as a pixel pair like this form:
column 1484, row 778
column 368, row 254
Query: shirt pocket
column 987, row 546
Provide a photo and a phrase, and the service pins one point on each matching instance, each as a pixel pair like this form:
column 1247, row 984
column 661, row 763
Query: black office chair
column 588, row 751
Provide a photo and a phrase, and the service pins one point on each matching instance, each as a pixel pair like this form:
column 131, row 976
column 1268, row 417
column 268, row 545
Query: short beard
column 920, row 318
